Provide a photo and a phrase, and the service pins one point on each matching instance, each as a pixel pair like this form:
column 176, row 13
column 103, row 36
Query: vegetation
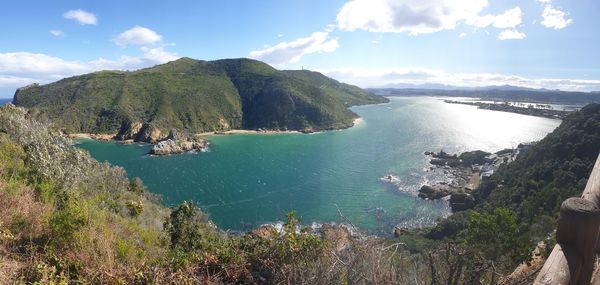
column 67, row 219
column 519, row 205
column 198, row 96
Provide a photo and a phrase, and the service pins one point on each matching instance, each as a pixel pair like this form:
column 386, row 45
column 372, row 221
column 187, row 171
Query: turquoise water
column 246, row 180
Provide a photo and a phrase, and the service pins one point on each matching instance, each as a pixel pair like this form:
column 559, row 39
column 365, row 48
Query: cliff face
column 196, row 96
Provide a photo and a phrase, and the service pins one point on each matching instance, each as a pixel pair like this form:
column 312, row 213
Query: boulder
column 170, row 146
column 431, row 193
column 461, row 201
column 400, row 231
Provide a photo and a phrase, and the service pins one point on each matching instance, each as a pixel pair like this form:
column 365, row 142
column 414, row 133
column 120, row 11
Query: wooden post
column 578, row 228
column 592, row 188
column 562, row 264
column 573, row 258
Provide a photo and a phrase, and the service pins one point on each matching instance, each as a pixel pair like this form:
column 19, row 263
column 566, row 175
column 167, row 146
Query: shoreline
column 111, row 137
column 245, row 132
column 98, row 137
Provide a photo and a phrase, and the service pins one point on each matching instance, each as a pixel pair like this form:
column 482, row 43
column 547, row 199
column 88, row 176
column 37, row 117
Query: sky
column 552, row 44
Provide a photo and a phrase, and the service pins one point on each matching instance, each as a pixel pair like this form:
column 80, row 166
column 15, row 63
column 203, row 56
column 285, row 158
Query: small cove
column 249, row 179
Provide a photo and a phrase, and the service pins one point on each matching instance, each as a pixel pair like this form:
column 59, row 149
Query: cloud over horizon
column 18, row 69
column 419, row 76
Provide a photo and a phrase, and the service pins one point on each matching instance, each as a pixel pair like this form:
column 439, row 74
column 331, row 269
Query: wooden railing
column 572, row 259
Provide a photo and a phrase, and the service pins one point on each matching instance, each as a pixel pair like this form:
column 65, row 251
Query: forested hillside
column 197, row 96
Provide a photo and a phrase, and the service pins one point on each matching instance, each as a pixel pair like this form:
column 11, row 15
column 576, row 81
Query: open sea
column 252, row 179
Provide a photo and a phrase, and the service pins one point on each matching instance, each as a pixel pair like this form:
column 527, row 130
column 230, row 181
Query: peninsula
column 189, row 96
column 531, row 110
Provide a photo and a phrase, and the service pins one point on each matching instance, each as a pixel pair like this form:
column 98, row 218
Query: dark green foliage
column 71, row 216
column 519, row 205
column 187, row 227
column 136, row 185
column 198, row 96
column 497, row 234
column 551, row 171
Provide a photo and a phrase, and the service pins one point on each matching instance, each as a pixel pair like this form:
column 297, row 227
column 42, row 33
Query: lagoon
column 249, row 179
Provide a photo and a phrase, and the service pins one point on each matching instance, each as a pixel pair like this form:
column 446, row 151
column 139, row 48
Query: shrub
column 186, row 227
column 135, row 208
column 68, row 219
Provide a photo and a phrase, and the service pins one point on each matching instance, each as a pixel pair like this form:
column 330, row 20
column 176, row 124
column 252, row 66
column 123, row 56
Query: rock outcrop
column 431, row 193
column 461, row 201
column 171, row 146
column 140, row 132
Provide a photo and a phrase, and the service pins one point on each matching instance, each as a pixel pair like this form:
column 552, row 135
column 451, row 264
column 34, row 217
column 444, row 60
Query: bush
column 186, row 227
column 70, row 217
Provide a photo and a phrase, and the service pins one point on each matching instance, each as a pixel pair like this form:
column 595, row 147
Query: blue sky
column 533, row 43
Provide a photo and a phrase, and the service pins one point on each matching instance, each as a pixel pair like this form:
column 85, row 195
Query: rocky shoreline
column 175, row 142
column 465, row 172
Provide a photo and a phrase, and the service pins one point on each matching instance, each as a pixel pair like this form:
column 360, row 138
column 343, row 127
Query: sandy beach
column 100, row 137
column 241, row 132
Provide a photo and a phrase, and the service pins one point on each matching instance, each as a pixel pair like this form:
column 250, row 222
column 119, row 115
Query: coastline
column 358, row 121
column 98, row 137
column 111, row 137
column 245, row 132
column 503, row 107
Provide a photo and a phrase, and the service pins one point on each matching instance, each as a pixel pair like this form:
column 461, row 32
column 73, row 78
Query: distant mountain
column 436, row 86
column 501, row 93
column 197, row 96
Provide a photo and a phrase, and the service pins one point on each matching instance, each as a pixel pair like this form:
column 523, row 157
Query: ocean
column 251, row 179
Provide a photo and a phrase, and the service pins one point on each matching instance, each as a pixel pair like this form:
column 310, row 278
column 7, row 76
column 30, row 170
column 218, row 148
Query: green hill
column 197, row 96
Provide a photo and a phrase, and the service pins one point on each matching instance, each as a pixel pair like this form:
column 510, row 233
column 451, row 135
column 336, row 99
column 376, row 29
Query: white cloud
column 57, row 33
column 418, row 76
column 555, row 18
column 462, row 35
column 545, row 1
column 509, row 19
column 511, row 34
column 137, row 36
column 293, row 51
column 81, row 16
column 410, row 16
column 158, row 54
column 21, row 68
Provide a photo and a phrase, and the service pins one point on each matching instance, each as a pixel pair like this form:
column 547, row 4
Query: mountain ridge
column 196, row 96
